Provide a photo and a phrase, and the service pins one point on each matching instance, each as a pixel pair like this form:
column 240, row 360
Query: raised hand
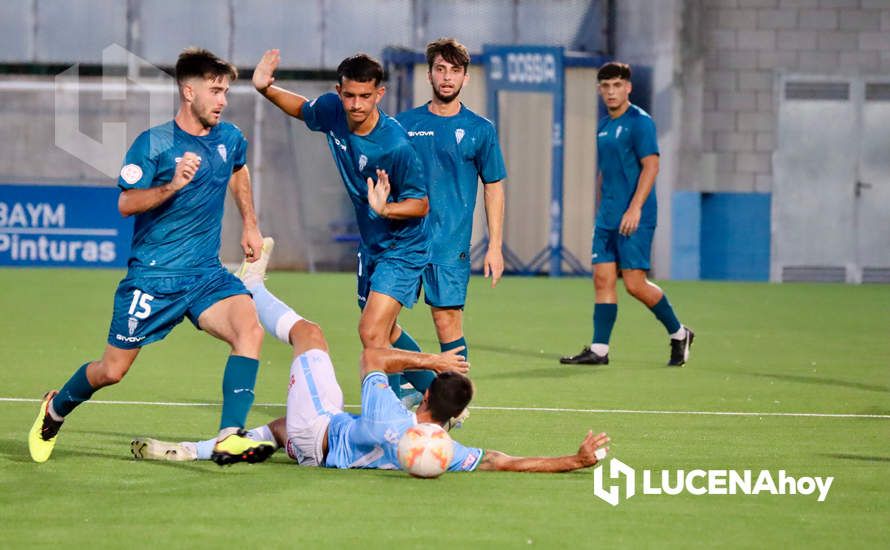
column 587, row 453
column 451, row 361
column 262, row 74
column 186, row 169
column 379, row 192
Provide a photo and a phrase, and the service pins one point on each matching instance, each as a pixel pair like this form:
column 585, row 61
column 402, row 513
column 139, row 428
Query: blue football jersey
column 357, row 158
column 371, row 440
column 621, row 143
column 182, row 235
column 456, row 152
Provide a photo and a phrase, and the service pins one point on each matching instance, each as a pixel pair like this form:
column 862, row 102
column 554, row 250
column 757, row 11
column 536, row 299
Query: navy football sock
column 238, row 383
column 665, row 313
column 604, row 316
column 407, row 343
column 75, row 391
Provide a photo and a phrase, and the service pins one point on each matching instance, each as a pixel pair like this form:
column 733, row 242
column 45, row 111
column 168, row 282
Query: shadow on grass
column 818, row 380
column 864, row 458
column 16, row 450
column 569, row 371
column 525, row 353
column 557, row 371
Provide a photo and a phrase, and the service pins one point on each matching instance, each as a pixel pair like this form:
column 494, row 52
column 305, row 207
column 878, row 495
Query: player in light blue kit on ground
column 316, row 431
column 627, row 154
column 174, row 181
column 368, row 145
column 458, row 148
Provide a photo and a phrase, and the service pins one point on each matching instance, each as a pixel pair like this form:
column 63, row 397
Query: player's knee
column 248, row 338
column 309, row 335
column 371, row 335
column 108, row 373
column 252, row 332
column 447, row 322
column 602, row 282
column 635, row 288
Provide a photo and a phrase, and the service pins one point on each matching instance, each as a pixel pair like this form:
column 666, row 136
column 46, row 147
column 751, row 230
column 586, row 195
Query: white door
column 872, row 189
column 814, row 169
column 831, row 194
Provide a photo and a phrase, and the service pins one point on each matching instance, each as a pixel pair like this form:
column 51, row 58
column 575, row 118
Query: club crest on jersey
column 362, row 162
column 221, row 149
column 132, row 323
column 618, row 131
column 459, row 134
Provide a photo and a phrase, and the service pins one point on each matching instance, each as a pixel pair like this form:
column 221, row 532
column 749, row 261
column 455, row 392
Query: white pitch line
column 515, row 409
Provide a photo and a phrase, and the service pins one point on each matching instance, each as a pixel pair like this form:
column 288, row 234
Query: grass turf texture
column 759, row 348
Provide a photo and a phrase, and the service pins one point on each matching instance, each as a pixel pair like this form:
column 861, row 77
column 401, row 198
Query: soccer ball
column 425, row 450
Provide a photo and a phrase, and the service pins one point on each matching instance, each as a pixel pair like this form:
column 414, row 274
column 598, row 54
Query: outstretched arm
column 391, row 360
column 592, row 450
column 289, row 102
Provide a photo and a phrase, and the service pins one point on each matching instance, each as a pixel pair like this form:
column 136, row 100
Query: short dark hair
column 450, row 393
column 451, row 51
column 201, row 63
column 613, row 69
column 360, row 67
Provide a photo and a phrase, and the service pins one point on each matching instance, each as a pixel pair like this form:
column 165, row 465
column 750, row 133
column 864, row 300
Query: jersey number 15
column 140, row 300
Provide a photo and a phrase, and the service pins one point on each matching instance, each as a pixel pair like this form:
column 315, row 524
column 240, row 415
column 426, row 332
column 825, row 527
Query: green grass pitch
column 760, row 348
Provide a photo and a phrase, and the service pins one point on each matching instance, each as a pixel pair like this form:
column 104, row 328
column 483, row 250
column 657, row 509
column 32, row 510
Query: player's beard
column 205, row 121
column 447, row 98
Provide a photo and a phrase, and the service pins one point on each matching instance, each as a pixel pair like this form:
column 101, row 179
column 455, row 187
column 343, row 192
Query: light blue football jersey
column 456, row 152
column 621, row 143
column 371, row 440
column 182, row 235
column 357, row 158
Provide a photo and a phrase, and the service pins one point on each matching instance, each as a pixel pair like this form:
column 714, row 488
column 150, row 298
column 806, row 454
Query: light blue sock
column 238, row 383
column 205, row 448
column 276, row 316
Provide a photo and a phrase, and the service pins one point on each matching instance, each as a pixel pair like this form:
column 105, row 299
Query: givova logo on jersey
column 336, row 140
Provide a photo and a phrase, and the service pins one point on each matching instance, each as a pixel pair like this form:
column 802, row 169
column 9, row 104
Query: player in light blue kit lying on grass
column 316, row 431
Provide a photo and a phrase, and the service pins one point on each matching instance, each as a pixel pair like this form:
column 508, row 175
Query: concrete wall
column 300, row 193
column 747, row 42
column 715, row 71
column 312, row 34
